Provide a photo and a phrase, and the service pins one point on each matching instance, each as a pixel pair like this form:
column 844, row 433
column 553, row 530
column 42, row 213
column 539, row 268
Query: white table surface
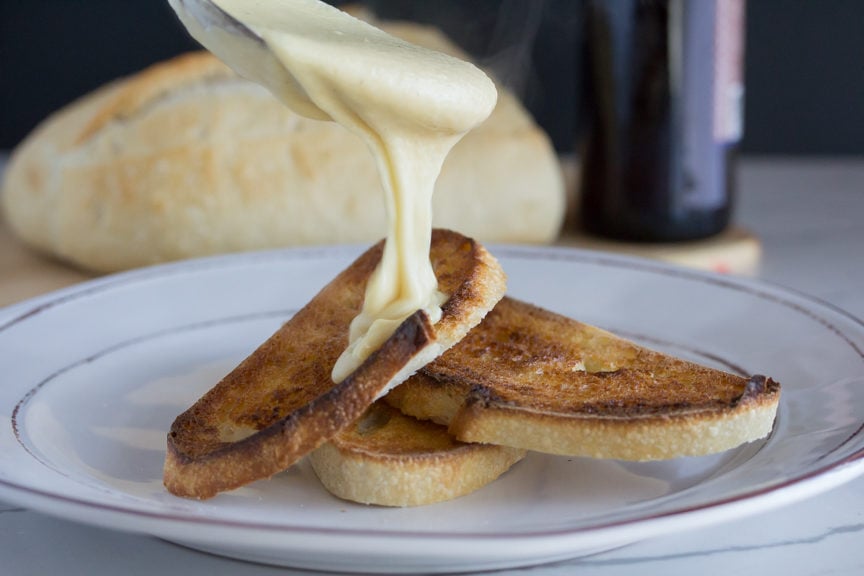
column 808, row 214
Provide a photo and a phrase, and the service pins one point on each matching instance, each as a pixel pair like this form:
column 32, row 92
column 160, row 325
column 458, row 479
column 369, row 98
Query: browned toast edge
column 465, row 399
column 284, row 442
column 688, row 432
column 276, row 446
column 426, row 468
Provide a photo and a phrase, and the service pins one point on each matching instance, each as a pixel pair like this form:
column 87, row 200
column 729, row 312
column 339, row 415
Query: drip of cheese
column 409, row 104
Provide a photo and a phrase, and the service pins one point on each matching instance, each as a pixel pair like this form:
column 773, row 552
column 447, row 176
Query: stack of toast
column 441, row 410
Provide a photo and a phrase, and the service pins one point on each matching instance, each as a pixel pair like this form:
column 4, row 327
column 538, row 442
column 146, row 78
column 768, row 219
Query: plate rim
column 847, row 466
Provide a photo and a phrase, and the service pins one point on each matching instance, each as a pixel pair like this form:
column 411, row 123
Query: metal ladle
column 245, row 51
column 209, row 16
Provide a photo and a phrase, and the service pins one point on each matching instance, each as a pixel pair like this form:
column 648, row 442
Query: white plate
column 93, row 376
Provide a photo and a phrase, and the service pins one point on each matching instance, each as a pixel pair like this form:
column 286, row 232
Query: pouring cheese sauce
column 409, row 104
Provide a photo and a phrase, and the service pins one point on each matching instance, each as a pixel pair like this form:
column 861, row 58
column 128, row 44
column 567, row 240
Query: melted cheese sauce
column 410, row 105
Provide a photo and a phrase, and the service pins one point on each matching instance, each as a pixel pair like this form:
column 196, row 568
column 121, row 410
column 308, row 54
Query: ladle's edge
column 209, row 15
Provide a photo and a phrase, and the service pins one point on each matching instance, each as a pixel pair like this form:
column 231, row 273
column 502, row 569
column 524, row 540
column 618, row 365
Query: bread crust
column 532, row 379
column 186, row 159
column 280, row 403
column 389, row 459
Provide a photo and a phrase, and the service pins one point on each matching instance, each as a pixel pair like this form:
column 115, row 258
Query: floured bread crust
column 280, row 403
column 187, row 159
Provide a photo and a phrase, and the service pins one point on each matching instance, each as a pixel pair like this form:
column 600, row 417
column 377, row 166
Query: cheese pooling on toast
column 409, row 104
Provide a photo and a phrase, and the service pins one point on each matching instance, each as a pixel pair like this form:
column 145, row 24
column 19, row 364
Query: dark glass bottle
column 663, row 117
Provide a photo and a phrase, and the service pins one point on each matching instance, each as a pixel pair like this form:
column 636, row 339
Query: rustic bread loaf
column 187, row 159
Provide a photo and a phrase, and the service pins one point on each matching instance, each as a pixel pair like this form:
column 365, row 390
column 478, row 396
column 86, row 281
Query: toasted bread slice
column 532, row 379
column 280, row 403
column 389, row 459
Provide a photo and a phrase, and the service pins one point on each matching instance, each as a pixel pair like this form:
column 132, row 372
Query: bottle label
column 728, row 71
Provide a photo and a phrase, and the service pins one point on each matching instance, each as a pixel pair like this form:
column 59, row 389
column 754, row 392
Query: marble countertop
column 807, row 214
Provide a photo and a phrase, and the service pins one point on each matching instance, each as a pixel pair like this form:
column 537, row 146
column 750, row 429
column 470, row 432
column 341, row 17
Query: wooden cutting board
column 24, row 273
column 735, row 251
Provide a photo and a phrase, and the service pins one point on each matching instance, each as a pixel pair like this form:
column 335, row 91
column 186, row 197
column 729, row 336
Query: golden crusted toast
column 533, row 379
column 280, row 403
column 389, row 459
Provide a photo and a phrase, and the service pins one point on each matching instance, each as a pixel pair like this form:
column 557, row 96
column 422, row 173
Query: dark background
column 804, row 67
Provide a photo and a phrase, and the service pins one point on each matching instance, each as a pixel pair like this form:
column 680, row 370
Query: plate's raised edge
column 761, row 288
column 20, row 311
column 22, row 403
column 768, row 291
column 852, row 464
column 844, row 471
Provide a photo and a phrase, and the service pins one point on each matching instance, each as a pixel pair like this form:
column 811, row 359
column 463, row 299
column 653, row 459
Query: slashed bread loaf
column 187, row 159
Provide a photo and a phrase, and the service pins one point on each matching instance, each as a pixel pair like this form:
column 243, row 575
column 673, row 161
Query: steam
column 509, row 54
